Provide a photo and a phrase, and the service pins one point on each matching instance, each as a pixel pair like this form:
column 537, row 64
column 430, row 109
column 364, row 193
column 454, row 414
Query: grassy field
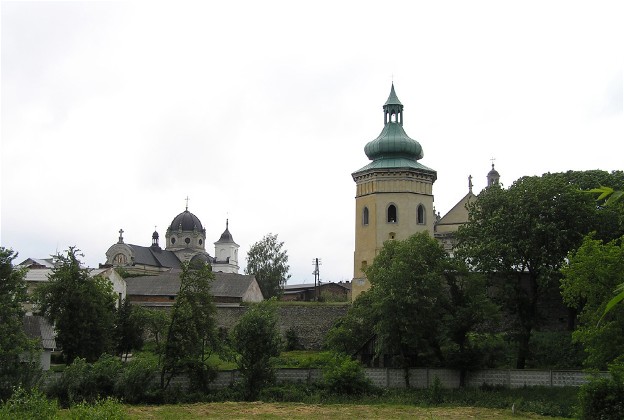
column 240, row 410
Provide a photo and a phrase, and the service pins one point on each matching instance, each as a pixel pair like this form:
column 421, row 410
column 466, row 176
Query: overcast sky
column 258, row 111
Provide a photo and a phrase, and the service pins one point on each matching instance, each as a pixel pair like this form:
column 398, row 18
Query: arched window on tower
column 420, row 214
column 392, row 214
column 365, row 216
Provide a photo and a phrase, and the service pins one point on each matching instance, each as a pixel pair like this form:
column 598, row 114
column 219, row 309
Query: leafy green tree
column 468, row 309
column 154, row 323
column 257, row 342
column 408, row 297
column 268, row 262
column 351, row 331
column 192, row 335
column 589, row 277
column 128, row 329
column 13, row 340
column 520, row 237
column 81, row 307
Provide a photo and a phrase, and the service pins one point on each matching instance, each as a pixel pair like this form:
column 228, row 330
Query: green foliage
column 435, row 391
column 269, row 264
column 407, row 298
column 136, row 383
column 102, row 409
column 192, row 334
column 13, row 340
column 292, row 339
column 83, row 381
column 589, row 277
column 350, row 332
column 128, row 334
column 81, row 308
column 257, row 342
column 520, row 238
column 154, row 323
column 28, row 405
column 343, row 375
column 602, row 398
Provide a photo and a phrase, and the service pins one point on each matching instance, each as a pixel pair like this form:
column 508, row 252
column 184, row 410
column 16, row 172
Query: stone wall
column 311, row 322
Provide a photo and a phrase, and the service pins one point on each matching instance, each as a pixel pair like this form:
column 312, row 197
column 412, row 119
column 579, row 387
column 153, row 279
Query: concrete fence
column 419, row 378
column 423, row 378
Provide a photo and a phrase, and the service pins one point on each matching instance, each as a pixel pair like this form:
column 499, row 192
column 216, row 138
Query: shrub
column 435, row 392
column 137, row 381
column 602, row 398
column 292, row 340
column 82, row 381
column 28, row 405
column 344, row 375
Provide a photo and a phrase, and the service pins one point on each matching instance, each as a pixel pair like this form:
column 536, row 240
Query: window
column 364, row 265
column 365, row 216
column 420, row 214
column 391, row 235
column 187, row 240
column 200, row 242
column 172, row 241
column 392, row 213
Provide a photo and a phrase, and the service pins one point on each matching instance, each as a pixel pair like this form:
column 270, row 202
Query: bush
column 82, row 381
column 137, row 381
column 602, row 398
column 28, row 405
column 292, row 340
column 344, row 375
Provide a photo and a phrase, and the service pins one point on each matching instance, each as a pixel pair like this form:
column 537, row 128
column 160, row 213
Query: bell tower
column 394, row 193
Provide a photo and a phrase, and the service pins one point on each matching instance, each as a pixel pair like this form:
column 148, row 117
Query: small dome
column 199, row 260
column 493, row 172
column 187, row 220
column 155, row 235
column 226, row 236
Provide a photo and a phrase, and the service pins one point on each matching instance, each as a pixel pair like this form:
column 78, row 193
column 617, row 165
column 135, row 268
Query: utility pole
column 317, row 277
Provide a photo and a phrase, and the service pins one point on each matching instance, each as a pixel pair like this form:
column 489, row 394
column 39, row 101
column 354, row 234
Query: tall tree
column 468, row 309
column 81, row 307
column 520, row 236
column 256, row 340
column 128, row 329
column 268, row 262
column 408, row 296
column 192, row 336
column 13, row 340
column 589, row 277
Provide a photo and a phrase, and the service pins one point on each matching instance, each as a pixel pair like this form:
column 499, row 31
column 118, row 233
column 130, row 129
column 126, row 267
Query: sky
column 113, row 113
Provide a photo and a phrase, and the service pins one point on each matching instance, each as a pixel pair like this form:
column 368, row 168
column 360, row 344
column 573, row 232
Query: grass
column 241, row 410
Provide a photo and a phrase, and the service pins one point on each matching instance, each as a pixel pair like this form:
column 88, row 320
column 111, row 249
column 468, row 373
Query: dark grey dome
column 187, row 220
column 199, row 260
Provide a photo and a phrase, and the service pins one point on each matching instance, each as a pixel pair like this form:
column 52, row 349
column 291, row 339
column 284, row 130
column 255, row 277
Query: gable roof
column 168, row 284
column 38, row 328
column 157, row 257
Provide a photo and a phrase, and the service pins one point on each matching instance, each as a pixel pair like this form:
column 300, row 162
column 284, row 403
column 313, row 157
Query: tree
column 467, row 309
column 191, row 337
column 408, row 297
column 257, row 342
column 352, row 330
column 520, row 236
column 13, row 340
column 81, row 307
column 269, row 264
column 128, row 329
column 154, row 323
column 589, row 277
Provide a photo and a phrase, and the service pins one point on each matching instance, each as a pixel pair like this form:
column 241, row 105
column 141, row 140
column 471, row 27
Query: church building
column 185, row 241
column 394, row 195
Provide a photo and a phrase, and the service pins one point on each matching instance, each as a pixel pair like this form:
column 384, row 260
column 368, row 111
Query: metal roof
column 157, row 257
column 37, row 327
column 168, row 284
